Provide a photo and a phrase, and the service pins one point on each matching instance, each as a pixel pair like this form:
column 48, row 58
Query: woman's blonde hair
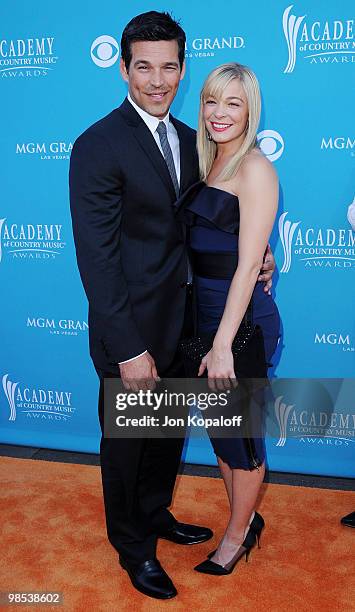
column 214, row 86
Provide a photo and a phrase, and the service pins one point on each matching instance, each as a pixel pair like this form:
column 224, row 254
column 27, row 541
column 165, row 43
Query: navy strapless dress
column 213, row 219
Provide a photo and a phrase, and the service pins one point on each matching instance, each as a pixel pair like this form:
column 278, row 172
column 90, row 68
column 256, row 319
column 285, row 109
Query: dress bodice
column 216, row 206
column 212, row 215
column 213, row 218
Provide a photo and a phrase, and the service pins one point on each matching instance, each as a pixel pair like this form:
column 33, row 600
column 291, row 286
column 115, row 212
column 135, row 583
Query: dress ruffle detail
column 221, row 211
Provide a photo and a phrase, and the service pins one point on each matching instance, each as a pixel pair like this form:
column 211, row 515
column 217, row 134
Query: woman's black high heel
column 210, row 567
column 257, row 525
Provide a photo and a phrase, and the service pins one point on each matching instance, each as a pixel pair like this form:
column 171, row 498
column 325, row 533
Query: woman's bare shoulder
column 256, row 161
column 256, row 169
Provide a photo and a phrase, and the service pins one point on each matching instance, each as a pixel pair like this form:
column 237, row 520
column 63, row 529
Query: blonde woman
column 231, row 212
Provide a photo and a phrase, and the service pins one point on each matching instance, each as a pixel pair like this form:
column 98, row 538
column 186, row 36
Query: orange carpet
column 54, row 539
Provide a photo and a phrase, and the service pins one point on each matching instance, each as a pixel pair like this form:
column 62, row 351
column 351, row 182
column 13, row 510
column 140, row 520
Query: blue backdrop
column 59, row 74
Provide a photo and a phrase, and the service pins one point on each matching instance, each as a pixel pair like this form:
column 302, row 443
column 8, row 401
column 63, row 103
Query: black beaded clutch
column 195, row 348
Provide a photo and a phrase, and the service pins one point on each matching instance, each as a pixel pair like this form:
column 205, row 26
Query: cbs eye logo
column 271, row 143
column 104, row 51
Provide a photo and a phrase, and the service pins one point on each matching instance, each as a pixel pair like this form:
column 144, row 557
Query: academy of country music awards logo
column 319, row 41
column 316, row 247
column 27, row 57
column 57, row 327
column 105, row 50
column 35, row 404
column 27, row 241
column 56, row 150
column 313, row 427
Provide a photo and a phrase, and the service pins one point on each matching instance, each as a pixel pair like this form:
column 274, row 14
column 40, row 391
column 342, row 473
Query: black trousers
column 138, row 478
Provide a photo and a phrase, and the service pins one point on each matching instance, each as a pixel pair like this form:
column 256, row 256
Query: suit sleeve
column 96, row 208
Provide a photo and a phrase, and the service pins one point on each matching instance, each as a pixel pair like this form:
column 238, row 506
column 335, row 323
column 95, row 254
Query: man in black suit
column 126, row 172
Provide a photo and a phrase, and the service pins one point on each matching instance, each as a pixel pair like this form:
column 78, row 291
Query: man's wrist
column 132, row 358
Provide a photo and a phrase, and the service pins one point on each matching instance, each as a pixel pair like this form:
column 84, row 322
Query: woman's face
column 226, row 117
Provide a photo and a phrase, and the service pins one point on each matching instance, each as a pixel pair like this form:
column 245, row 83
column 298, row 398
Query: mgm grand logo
column 209, row 46
column 45, row 150
column 62, row 327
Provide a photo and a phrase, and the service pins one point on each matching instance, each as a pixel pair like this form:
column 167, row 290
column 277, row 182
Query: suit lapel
column 146, row 141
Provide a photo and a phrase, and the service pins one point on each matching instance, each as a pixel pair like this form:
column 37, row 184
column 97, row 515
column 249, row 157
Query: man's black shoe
column 150, row 578
column 348, row 520
column 181, row 533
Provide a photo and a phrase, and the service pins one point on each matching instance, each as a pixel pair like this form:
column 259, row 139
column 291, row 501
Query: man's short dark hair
column 152, row 26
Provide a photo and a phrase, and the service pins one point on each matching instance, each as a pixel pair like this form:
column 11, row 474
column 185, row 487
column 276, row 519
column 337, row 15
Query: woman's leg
column 245, row 489
column 227, row 475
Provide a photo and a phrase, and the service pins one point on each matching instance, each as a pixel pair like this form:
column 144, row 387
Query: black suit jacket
column 130, row 247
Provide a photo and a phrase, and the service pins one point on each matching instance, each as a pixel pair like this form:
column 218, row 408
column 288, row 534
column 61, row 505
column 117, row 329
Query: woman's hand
column 220, row 368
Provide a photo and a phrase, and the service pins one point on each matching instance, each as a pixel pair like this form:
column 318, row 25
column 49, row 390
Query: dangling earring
column 209, row 137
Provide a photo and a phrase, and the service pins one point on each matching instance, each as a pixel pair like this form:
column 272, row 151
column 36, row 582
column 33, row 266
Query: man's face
column 154, row 75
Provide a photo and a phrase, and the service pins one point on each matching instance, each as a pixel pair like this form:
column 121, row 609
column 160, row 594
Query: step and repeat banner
column 59, row 73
